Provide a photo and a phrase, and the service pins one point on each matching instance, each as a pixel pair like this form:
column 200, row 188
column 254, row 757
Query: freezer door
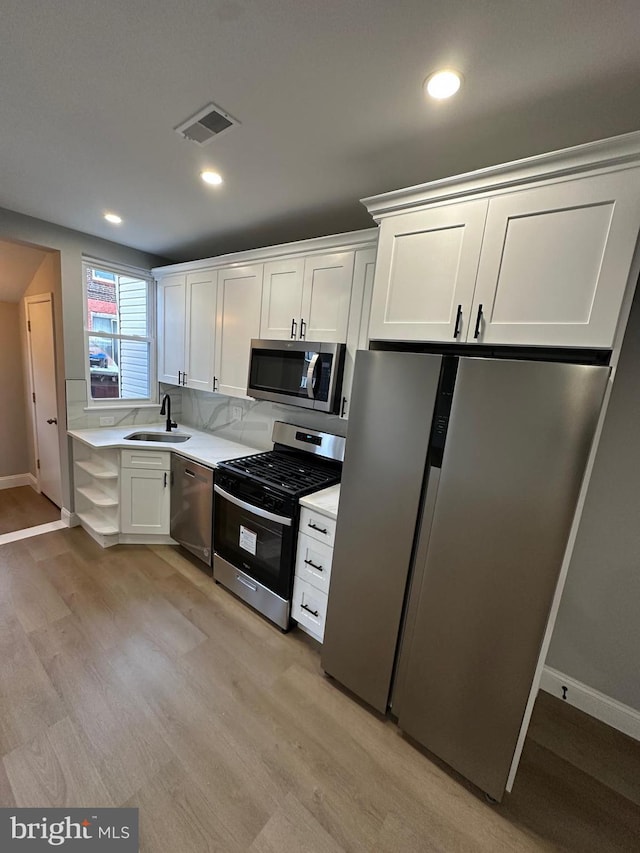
column 388, row 436
column 518, row 441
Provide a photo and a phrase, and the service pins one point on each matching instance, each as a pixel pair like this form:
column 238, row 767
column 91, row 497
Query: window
column 118, row 333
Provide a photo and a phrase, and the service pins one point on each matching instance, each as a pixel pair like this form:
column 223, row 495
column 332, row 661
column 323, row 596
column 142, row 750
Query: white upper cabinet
column 426, row 272
column 186, row 329
column 209, row 310
column 239, row 311
column 200, row 330
column 307, row 298
column 539, row 252
column 555, row 262
column 326, row 297
column 282, row 299
column 171, row 321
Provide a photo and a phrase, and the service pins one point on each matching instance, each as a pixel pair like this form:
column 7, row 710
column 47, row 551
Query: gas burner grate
column 285, row 472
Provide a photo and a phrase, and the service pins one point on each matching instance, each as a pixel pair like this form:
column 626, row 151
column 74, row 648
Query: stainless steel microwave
column 300, row 373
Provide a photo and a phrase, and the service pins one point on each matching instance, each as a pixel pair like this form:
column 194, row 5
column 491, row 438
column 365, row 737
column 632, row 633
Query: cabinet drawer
column 313, row 562
column 309, row 608
column 317, row 526
column 148, row 459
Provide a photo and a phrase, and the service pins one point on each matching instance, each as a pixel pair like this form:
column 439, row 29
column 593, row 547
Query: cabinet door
column 357, row 332
column 171, row 317
column 555, row 262
column 282, row 299
column 426, row 272
column 144, row 501
column 239, row 307
column 200, row 330
column 326, row 297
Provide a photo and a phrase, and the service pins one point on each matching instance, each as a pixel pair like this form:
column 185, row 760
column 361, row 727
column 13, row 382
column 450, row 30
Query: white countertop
column 202, row 447
column 325, row 501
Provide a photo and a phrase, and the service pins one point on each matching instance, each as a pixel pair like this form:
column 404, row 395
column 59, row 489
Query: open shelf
column 97, row 471
column 96, row 497
column 98, row 522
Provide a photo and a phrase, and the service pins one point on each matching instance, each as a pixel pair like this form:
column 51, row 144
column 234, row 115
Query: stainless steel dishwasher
column 192, row 508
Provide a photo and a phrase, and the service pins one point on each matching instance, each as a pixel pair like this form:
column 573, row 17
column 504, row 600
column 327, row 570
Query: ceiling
column 18, row 265
column 328, row 95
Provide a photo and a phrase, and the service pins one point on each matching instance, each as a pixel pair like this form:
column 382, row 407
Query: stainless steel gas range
column 256, row 514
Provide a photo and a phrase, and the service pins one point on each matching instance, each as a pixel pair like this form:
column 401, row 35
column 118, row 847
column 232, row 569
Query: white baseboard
column 16, row 480
column 28, row 532
column 598, row 705
column 69, row 518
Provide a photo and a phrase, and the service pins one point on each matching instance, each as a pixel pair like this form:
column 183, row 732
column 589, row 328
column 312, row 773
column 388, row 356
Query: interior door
column 39, row 312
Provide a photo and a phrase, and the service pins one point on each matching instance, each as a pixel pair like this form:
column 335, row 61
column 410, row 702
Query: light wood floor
column 128, row 678
column 23, row 507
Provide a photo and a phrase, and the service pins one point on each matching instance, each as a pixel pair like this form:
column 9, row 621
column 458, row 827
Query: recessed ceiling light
column 113, row 218
column 443, row 84
column 211, row 177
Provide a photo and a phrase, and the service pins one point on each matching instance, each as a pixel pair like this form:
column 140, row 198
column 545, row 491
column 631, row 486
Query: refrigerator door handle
column 476, row 334
column 456, row 330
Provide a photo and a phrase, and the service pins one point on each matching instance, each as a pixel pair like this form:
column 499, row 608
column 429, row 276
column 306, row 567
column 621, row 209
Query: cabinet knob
column 303, row 329
column 294, row 327
column 52, row 420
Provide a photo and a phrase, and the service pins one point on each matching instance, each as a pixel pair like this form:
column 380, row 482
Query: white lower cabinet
column 309, row 608
column 145, row 495
column 313, row 572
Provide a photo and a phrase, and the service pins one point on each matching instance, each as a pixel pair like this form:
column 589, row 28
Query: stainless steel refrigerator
column 459, row 488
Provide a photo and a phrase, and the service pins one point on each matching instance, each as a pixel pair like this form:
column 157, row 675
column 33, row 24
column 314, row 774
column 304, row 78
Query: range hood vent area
column 206, row 124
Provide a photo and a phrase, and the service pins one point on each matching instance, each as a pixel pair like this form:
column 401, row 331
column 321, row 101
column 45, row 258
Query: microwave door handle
column 310, row 375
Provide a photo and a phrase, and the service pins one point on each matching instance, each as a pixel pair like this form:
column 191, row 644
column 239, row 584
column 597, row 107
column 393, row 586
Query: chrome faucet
column 165, row 408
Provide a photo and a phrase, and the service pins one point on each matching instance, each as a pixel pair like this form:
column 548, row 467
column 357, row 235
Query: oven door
column 255, row 540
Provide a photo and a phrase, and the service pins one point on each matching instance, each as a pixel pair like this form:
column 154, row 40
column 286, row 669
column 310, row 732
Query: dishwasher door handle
column 263, row 513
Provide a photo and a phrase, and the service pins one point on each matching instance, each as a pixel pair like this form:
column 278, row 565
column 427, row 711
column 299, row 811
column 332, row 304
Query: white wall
column 596, row 639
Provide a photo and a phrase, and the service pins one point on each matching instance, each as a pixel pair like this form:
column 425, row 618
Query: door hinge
column 28, row 325
column 38, row 463
column 33, row 396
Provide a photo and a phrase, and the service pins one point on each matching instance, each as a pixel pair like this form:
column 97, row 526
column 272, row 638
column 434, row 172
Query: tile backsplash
column 79, row 418
column 248, row 421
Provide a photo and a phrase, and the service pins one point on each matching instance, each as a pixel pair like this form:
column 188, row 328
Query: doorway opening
column 30, row 420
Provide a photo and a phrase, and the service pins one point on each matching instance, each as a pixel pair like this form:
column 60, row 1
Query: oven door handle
column 310, row 375
column 263, row 513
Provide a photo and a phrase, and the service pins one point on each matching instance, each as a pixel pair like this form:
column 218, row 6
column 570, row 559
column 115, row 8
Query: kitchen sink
column 165, row 437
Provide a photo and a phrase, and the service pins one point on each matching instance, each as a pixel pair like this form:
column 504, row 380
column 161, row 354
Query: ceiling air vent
column 206, row 124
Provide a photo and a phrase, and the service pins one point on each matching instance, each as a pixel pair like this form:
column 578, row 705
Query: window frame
column 130, row 272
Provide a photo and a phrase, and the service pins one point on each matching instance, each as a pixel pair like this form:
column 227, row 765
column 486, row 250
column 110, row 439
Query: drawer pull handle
column 246, row 583
column 315, row 527
column 313, row 565
column 309, row 610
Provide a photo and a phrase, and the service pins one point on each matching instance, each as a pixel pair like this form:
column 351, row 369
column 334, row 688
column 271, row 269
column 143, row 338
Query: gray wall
column 597, row 634
column 68, row 310
column 13, row 443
